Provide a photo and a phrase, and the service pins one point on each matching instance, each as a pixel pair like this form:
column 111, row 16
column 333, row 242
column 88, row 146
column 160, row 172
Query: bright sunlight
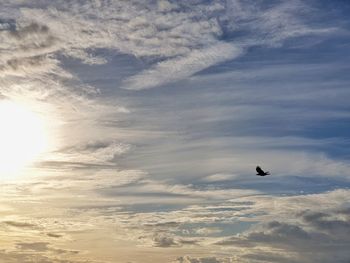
column 22, row 138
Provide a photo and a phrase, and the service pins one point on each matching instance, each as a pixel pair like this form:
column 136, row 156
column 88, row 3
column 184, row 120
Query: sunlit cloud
column 131, row 131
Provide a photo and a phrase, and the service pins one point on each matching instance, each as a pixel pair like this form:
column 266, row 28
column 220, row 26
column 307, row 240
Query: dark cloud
column 163, row 224
column 188, row 241
column 331, row 223
column 54, row 235
column 316, row 236
column 269, row 257
column 24, row 65
column 33, row 36
column 283, row 230
column 19, row 224
column 33, row 256
column 43, row 247
column 164, row 241
column 29, row 30
column 36, row 246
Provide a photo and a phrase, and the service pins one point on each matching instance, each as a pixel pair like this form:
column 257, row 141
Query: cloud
column 335, row 223
column 283, row 229
column 261, row 26
column 31, row 70
column 174, row 40
column 89, row 154
column 189, row 259
column 219, row 177
column 209, row 156
column 207, row 231
column 179, row 68
column 19, row 224
column 152, row 188
column 180, row 39
column 275, row 233
column 37, row 246
column 300, row 235
column 28, row 257
column 264, row 256
column 164, row 241
column 295, row 241
column 188, row 186
column 54, row 235
column 272, row 24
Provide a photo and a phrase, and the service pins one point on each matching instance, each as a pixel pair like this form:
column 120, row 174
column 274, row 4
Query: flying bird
column 261, row 171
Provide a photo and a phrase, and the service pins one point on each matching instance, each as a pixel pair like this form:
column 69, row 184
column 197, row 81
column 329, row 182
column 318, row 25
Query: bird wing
column 259, row 170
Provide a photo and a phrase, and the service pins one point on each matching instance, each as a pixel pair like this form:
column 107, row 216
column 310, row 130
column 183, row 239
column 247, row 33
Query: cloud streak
column 183, row 40
column 180, row 68
column 171, row 173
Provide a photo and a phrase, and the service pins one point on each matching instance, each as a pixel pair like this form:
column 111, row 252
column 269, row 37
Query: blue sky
column 159, row 112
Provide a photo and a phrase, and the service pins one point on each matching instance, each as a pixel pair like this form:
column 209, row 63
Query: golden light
column 22, row 138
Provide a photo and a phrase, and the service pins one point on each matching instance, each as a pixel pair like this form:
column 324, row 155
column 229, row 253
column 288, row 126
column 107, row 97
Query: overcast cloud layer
column 159, row 112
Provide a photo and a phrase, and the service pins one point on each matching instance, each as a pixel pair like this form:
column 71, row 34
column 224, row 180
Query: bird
column 261, row 171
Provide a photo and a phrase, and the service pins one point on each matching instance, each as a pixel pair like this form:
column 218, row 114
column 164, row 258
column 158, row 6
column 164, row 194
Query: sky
column 131, row 131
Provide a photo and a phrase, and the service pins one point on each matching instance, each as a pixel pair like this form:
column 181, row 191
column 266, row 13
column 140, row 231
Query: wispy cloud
column 179, row 68
column 174, row 176
column 183, row 39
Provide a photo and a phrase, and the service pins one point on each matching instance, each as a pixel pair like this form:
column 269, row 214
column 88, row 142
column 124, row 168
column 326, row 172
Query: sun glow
column 22, row 138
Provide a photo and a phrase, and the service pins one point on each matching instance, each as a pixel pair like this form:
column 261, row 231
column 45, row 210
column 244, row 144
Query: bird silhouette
column 261, row 171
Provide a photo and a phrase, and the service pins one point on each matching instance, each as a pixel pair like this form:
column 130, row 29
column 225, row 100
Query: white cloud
column 181, row 67
column 219, row 177
column 189, row 259
column 206, row 231
column 93, row 153
column 186, row 38
column 88, row 190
